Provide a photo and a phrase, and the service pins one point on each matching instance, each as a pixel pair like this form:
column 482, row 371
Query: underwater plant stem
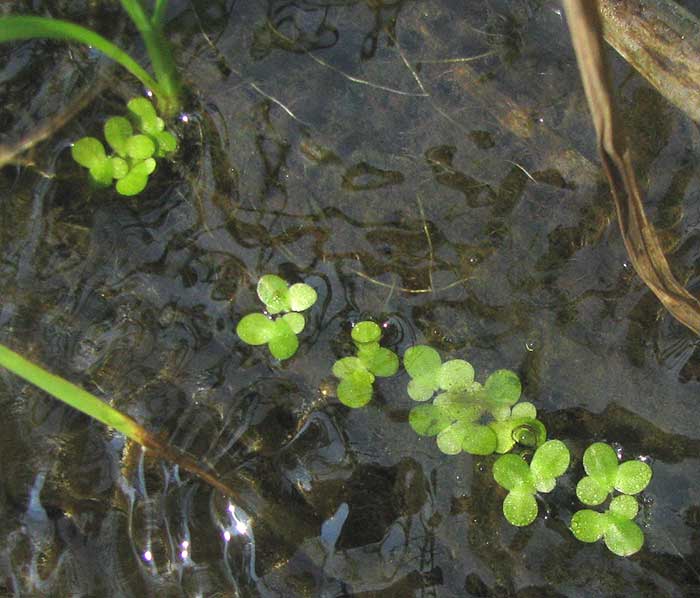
column 159, row 53
column 29, row 27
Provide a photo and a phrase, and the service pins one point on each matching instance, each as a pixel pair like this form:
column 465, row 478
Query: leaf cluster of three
column 285, row 302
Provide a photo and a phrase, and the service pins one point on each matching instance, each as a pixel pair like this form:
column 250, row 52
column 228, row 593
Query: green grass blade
column 159, row 52
column 159, row 12
column 29, row 27
column 71, row 394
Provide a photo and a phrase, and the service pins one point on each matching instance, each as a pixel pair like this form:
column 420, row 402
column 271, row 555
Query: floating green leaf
column 117, row 131
column 522, row 480
column 301, row 296
column 137, row 178
column 428, row 420
column 366, row 332
column 588, row 526
column 605, row 473
column 120, row 168
column 380, row 361
column 295, row 320
column 274, row 293
column 503, row 388
column 284, row 343
column 346, row 366
column 102, row 173
column 140, row 147
column 88, row 152
column 355, row 390
column 166, row 143
column 421, row 360
column 479, row 440
column 455, row 375
column 632, row 477
column 255, row 329
column 145, row 115
column 622, row 535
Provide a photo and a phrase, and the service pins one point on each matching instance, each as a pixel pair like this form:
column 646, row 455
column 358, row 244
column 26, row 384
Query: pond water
column 428, row 165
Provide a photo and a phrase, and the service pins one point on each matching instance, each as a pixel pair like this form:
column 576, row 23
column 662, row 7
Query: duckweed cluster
column 467, row 416
column 136, row 143
column 279, row 326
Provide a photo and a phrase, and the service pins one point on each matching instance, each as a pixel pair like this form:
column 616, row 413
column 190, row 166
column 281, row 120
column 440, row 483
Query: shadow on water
column 428, row 165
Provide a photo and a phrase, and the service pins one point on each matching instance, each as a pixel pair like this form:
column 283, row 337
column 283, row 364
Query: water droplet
column 530, row 345
column 618, row 450
column 148, row 556
column 473, row 260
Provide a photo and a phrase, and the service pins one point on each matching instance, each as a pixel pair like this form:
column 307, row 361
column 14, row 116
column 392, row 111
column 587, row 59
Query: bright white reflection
column 148, row 556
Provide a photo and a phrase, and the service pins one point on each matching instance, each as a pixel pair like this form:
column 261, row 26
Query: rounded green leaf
column 421, row 360
column 166, row 143
column 450, row 440
column 274, row 293
column 301, row 296
column 366, row 332
column 117, row 132
column 422, row 388
column 88, row 152
column 346, row 366
column 255, row 329
column 428, row 420
column 145, row 115
column 120, row 168
column 382, row 362
column 479, row 440
column 511, row 472
column 295, row 321
column 284, row 343
column 500, row 413
column 520, row 508
column 458, row 407
column 545, row 484
column 455, row 375
column 355, row 390
column 588, row 526
column 140, row 147
column 133, row 183
column 622, row 536
column 624, row 506
column 632, row 477
column 591, row 492
column 503, row 388
column 144, row 168
column 524, row 409
column 600, row 461
column 102, row 173
column 550, row 460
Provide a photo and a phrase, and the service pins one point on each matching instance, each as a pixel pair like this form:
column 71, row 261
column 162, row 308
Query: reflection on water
column 427, row 165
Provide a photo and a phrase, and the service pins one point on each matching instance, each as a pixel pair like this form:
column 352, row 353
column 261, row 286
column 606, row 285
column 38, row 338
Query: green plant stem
column 72, row 395
column 19, row 28
column 90, row 405
column 159, row 53
column 159, row 12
